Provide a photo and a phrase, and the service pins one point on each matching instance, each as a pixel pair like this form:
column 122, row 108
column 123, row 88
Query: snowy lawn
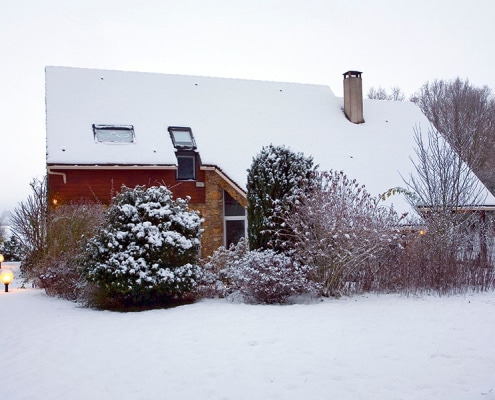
column 366, row 347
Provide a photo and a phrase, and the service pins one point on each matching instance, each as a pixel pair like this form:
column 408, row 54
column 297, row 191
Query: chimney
column 353, row 96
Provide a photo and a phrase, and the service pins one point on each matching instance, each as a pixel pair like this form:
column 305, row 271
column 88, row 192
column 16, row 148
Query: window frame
column 178, row 145
column 227, row 218
column 109, row 127
column 189, row 155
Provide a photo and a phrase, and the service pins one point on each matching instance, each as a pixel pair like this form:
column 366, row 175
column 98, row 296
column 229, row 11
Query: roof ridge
column 185, row 75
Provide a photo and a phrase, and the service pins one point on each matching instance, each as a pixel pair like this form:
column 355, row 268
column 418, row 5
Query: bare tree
column 465, row 116
column 377, row 94
column 443, row 181
column 396, row 94
column 3, row 233
column 29, row 224
column 453, row 252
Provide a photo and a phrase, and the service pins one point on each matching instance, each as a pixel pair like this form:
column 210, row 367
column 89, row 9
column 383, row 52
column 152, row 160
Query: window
column 234, row 220
column 113, row 133
column 186, row 166
column 234, row 231
column 183, row 141
column 232, row 207
column 182, row 137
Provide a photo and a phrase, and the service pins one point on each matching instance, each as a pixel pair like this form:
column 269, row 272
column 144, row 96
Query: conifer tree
column 147, row 251
column 275, row 180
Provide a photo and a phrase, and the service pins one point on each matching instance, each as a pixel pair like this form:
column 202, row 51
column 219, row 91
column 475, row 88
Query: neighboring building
column 198, row 136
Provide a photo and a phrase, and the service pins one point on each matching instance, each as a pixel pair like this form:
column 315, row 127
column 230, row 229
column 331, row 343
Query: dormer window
column 113, row 133
column 182, row 137
column 186, row 166
column 185, row 146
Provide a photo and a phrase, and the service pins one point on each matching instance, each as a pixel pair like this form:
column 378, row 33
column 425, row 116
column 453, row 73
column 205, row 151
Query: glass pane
column 182, row 138
column 234, row 230
column 232, row 207
column 114, row 135
column 185, row 167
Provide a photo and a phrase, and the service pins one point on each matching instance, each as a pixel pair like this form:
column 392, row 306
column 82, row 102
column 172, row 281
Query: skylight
column 182, row 137
column 113, row 133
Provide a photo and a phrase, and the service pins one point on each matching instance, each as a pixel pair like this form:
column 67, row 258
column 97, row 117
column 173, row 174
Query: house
column 198, row 136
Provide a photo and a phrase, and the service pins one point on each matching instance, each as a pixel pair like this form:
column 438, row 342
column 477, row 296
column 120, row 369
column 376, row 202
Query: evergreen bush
column 146, row 253
column 275, row 180
column 11, row 249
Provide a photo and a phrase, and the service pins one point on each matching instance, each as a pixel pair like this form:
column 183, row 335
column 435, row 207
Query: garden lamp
column 1, row 260
column 6, row 277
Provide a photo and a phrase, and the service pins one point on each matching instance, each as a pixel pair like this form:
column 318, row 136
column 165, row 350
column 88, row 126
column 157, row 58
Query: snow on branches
column 261, row 276
column 148, row 246
column 338, row 227
column 275, row 180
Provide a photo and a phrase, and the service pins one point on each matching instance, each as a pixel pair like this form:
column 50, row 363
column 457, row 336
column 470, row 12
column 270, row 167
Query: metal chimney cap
column 352, row 74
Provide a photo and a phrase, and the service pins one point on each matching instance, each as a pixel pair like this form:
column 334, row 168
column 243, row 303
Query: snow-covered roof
column 231, row 120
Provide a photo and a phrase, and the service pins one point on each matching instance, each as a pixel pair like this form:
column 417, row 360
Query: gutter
column 463, row 208
column 63, row 174
column 50, row 168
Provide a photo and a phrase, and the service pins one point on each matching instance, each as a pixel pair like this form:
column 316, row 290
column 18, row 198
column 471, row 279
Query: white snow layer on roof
column 231, row 121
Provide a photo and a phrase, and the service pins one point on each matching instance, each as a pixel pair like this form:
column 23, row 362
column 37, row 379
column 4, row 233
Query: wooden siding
column 100, row 185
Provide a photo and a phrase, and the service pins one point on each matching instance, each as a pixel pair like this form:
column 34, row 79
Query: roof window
column 182, row 137
column 186, row 167
column 113, row 133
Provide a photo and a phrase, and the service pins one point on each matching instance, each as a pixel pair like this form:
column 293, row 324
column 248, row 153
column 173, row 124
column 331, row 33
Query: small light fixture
column 6, row 277
column 422, row 232
column 1, row 260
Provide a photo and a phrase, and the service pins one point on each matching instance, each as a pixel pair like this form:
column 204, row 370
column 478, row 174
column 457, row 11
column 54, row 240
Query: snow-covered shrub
column 224, row 257
column 266, row 277
column 62, row 277
column 211, row 285
column 146, row 253
column 341, row 230
column 11, row 249
column 274, row 183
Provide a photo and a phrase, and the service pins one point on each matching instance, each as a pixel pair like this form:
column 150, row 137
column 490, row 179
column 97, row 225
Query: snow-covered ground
column 364, row 347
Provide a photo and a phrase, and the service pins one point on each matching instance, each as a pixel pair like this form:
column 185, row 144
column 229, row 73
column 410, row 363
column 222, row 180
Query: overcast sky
column 394, row 42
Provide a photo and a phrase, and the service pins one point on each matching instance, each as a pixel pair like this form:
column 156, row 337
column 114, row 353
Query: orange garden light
column 6, row 277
